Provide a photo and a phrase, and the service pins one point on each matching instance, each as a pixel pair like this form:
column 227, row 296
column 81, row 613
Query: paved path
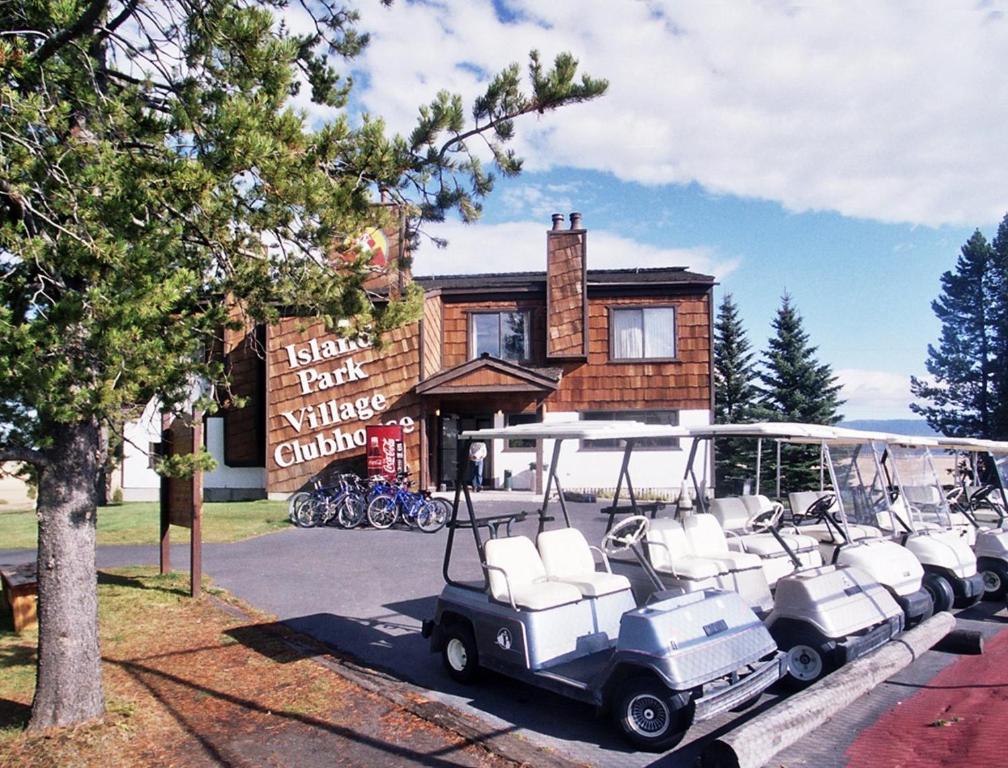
column 366, row 592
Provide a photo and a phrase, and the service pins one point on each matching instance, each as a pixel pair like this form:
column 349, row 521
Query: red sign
column 385, row 454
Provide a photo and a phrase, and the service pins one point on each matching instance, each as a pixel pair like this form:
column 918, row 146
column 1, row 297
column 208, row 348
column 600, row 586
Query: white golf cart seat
column 567, row 557
column 744, row 570
column 734, row 512
column 670, row 554
column 518, row 576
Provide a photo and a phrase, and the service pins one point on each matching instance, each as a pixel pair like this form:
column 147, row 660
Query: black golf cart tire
column 942, row 595
column 462, row 668
column 635, row 698
column 807, row 642
column 995, row 578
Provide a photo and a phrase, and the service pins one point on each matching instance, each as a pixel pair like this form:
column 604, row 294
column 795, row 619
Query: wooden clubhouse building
column 490, row 349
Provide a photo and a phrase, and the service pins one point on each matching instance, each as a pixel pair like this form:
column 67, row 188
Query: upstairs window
column 504, row 335
column 643, row 333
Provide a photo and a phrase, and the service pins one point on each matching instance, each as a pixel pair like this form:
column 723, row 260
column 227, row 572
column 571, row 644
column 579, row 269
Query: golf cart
column 981, row 474
column 980, row 508
column 542, row 613
column 901, row 492
column 823, row 515
column 823, row 616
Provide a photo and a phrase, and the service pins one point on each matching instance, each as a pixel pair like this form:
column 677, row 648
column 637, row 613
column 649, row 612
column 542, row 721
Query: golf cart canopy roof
column 973, row 444
column 779, row 430
column 578, row 430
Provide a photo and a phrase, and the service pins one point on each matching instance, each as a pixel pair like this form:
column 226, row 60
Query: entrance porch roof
column 489, row 375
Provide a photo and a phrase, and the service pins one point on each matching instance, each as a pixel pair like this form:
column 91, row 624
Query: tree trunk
column 69, row 686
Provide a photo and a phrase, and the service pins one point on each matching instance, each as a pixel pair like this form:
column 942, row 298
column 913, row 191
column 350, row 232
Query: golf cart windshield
column 1001, row 467
column 913, row 475
column 861, row 485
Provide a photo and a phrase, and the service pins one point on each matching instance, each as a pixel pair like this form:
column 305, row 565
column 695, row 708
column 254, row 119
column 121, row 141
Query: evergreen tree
column 735, row 396
column 966, row 395
column 150, row 165
column 998, row 294
column 796, row 387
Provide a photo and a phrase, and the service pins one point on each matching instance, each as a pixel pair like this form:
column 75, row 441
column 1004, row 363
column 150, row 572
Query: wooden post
column 196, row 530
column 754, row 743
column 165, row 496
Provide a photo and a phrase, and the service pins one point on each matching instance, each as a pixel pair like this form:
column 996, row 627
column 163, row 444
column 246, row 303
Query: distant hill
column 898, row 426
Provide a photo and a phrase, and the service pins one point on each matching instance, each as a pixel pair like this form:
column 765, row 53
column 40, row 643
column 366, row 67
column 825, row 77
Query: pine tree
column 796, row 387
column 150, row 165
column 998, row 294
column 735, row 396
column 968, row 364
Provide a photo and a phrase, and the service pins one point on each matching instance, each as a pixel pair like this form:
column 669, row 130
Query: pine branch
column 27, row 455
column 82, row 26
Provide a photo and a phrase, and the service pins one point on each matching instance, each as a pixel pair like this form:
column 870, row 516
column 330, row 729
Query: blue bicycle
column 416, row 509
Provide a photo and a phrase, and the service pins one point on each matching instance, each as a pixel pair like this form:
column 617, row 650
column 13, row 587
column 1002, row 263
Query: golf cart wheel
column 810, row 656
column 995, row 579
column 459, row 654
column 940, row 590
column 651, row 716
column 382, row 511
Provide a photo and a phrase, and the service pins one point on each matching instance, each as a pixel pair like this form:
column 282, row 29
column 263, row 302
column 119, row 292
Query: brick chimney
column 566, row 290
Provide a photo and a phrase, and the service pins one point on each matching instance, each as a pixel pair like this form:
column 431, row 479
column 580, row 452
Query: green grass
column 137, row 523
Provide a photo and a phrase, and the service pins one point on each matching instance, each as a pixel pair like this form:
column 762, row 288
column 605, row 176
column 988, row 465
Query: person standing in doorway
column 477, row 453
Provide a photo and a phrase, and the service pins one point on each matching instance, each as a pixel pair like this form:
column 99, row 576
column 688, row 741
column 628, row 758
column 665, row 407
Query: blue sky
column 842, row 152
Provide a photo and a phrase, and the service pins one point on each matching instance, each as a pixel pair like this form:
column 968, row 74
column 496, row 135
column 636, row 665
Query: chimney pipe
column 557, row 221
column 575, row 219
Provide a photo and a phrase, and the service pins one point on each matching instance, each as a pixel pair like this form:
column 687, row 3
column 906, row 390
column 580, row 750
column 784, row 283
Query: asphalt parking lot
column 366, row 592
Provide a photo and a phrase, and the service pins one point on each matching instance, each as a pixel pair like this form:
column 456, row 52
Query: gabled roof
column 490, row 374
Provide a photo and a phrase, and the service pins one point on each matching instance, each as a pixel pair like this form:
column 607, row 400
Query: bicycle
column 342, row 504
column 414, row 508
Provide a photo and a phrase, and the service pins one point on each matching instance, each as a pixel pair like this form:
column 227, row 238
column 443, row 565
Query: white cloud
column 876, row 110
column 520, row 246
column 875, row 394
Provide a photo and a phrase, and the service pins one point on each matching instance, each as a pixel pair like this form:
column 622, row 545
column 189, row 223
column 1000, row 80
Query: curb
column 412, row 698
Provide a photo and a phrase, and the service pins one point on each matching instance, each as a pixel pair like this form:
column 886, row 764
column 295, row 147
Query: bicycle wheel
column 352, row 510
column 433, row 514
column 382, row 511
column 294, row 502
column 306, row 515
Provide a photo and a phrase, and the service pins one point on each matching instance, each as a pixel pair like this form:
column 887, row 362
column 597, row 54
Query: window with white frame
column 504, row 335
column 643, row 333
column 667, row 418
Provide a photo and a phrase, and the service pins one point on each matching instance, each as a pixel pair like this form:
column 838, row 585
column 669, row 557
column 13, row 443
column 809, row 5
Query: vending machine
column 386, row 454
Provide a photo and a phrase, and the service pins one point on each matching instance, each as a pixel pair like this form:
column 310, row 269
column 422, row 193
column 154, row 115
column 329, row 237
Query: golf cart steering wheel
column 765, row 519
column 625, row 534
column 819, row 509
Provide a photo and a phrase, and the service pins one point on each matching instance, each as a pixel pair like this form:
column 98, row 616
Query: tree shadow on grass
column 118, row 580
column 14, row 714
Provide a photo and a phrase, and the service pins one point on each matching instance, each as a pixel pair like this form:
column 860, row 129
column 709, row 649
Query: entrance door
column 477, row 422
column 453, row 449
